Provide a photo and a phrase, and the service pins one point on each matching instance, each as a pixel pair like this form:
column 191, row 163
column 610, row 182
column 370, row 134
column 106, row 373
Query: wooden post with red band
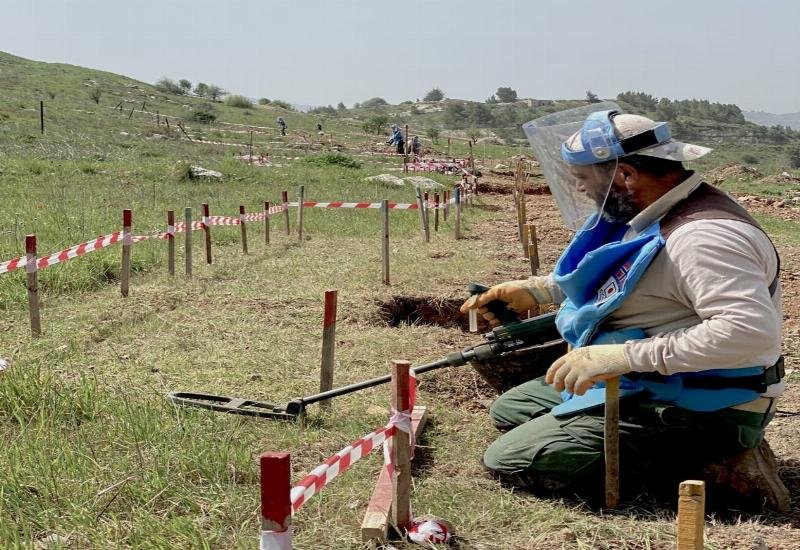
column 171, row 242
column 125, row 274
column 328, row 346
column 276, row 504
column 243, row 226
column 207, row 230
column 32, row 269
column 187, row 219
column 266, row 222
column 285, row 200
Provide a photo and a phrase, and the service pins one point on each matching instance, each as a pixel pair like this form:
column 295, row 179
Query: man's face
column 606, row 187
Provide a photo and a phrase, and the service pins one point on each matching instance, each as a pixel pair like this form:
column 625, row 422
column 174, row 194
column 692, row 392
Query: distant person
column 397, row 139
column 416, row 145
column 319, row 127
column 282, row 125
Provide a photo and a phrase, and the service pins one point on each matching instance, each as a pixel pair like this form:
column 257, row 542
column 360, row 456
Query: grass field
column 95, row 456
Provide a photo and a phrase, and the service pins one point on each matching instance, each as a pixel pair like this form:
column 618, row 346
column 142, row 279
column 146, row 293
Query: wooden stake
column 276, row 504
column 328, row 346
column 436, row 212
column 611, row 442
column 187, row 218
column 300, row 199
column 243, row 227
column 448, row 147
column 130, row 115
column 458, row 212
column 171, row 241
column 32, row 269
column 385, row 240
column 158, row 118
column 691, row 515
column 471, row 159
column 207, row 231
column 533, row 248
column 426, row 236
column 376, row 519
column 41, row 115
column 285, row 200
column 125, row 275
column 250, row 154
column 266, row 222
column 446, row 204
column 401, row 457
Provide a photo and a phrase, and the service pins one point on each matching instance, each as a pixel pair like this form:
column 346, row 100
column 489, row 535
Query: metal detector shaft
column 452, row 360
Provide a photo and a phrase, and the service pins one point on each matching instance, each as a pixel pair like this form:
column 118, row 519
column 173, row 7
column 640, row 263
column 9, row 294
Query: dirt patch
column 504, row 186
column 732, row 170
column 423, row 310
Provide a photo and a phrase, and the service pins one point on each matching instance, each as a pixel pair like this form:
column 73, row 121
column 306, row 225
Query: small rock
column 200, row 172
column 124, row 134
column 254, row 377
column 779, row 204
column 4, row 364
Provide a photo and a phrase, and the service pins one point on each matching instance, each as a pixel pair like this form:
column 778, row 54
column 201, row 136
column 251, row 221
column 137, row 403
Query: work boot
column 753, row 475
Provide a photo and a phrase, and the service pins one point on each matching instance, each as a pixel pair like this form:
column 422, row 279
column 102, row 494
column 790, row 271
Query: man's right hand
column 520, row 296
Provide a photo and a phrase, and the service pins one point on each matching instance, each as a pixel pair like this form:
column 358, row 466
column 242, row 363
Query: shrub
column 375, row 124
column 204, row 113
column 341, row 107
column 96, row 94
column 747, row 158
column 433, row 134
column 264, row 101
column 332, row 159
column 185, row 85
column 434, row 95
column 506, row 94
column 473, row 134
column 239, row 101
column 169, row 86
column 282, row 104
column 793, row 153
column 374, row 102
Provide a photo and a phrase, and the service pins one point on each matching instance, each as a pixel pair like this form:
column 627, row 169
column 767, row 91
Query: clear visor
column 580, row 192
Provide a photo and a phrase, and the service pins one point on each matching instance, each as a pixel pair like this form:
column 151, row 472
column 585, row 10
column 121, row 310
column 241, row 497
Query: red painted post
column 276, row 504
column 207, row 231
column 285, row 200
column 243, row 226
column 328, row 346
column 125, row 275
column 171, row 241
column 266, row 222
column 32, row 269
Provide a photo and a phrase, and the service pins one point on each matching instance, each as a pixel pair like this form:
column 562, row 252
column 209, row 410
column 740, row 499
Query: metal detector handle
column 498, row 307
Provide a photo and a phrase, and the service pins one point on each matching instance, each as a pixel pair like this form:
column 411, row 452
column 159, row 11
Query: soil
column 499, row 239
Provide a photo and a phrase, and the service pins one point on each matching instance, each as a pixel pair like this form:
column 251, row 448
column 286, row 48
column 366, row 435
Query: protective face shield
column 580, row 185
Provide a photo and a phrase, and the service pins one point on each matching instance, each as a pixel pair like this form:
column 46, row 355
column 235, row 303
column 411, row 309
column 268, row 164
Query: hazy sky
column 320, row 52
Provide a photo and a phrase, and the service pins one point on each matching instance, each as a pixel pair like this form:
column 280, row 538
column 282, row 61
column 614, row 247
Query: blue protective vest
column 597, row 272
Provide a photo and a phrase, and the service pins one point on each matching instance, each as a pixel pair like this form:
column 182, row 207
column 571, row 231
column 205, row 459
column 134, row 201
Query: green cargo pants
column 660, row 442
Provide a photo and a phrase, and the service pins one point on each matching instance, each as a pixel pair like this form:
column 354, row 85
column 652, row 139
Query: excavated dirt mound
column 731, row 170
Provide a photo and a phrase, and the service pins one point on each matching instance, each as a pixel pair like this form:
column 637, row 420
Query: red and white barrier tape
column 64, row 255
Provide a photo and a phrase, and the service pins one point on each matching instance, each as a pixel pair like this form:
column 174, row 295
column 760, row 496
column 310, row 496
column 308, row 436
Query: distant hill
column 792, row 120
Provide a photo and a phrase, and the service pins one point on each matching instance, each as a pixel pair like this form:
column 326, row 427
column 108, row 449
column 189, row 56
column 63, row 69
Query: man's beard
column 620, row 206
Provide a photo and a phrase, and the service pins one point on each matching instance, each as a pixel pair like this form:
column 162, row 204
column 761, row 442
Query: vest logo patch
column 614, row 284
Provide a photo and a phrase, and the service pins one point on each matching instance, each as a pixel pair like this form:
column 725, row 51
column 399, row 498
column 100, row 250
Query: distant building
column 537, row 102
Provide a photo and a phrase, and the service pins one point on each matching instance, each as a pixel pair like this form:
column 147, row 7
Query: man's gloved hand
column 519, row 295
column 581, row 368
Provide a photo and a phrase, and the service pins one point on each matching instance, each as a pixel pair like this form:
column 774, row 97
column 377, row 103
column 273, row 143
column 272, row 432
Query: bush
column 374, row 102
column 169, row 86
column 747, row 158
column 239, row 101
column 375, row 124
column 185, row 85
column 506, row 94
column 332, row 159
column 96, row 94
column 434, row 95
column 264, row 101
column 433, row 134
column 793, row 153
column 282, row 104
column 204, row 113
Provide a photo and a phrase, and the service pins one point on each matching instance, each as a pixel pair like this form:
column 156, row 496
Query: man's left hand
column 581, row 368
